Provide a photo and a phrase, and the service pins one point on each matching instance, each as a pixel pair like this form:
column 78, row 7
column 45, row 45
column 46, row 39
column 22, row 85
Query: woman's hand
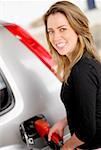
column 58, row 128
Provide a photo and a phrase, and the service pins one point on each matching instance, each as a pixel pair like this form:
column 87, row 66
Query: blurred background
column 28, row 14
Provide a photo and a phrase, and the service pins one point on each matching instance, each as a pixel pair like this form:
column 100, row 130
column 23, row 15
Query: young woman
column 71, row 45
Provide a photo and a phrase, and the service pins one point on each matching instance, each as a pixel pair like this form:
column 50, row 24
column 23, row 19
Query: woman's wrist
column 65, row 122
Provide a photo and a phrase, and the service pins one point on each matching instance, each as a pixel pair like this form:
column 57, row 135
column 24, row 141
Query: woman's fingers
column 49, row 136
column 61, row 133
column 52, row 130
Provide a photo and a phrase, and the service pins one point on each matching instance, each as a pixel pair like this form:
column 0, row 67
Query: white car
column 28, row 85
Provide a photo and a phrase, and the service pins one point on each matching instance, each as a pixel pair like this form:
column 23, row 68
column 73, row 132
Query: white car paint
column 36, row 89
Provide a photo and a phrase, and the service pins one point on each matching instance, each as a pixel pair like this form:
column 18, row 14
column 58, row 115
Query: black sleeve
column 85, row 90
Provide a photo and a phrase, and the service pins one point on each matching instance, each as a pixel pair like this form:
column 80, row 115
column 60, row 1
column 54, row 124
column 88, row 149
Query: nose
column 57, row 36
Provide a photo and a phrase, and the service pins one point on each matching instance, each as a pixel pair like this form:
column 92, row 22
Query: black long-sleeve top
column 82, row 99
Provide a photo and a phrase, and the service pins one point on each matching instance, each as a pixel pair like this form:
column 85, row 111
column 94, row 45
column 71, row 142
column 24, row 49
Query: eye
column 50, row 32
column 63, row 29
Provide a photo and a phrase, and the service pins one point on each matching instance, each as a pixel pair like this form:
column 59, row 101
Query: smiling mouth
column 60, row 45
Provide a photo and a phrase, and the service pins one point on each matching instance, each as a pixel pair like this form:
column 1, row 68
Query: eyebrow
column 57, row 27
column 61, row 26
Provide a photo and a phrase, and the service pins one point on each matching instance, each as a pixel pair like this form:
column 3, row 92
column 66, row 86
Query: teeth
column 60, row 45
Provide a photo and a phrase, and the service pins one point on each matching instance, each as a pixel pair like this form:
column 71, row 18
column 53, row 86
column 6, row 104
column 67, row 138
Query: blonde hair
column 79, row 23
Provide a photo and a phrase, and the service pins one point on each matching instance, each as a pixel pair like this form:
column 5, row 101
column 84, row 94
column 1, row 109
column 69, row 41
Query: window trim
column 11, row 100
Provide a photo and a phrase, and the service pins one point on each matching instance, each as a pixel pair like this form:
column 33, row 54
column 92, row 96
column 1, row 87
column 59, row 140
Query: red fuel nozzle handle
column 57, row 139
column 43, row 127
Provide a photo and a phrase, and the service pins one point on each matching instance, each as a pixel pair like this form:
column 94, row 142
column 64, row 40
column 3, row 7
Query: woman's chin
column 61, row 53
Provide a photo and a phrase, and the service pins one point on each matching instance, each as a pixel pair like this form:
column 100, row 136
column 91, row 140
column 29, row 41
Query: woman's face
column 62, row 37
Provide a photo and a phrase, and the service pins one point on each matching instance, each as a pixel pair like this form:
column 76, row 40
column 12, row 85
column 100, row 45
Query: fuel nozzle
column 43, row 127
column 38, row 127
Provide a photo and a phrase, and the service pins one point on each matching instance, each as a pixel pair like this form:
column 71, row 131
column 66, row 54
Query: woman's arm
column 85, row 83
